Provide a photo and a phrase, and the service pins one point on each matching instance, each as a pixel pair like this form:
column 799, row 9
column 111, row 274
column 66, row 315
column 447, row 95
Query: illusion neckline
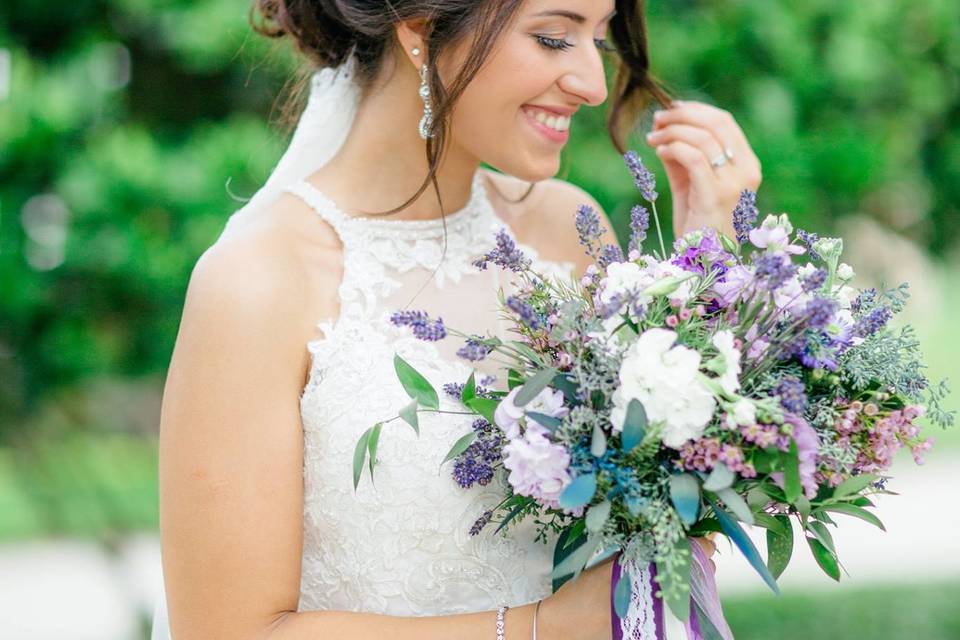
column 476, row 205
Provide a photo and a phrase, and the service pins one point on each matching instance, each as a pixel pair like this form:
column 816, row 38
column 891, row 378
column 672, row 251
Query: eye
column 604, row 45
column 556, row 44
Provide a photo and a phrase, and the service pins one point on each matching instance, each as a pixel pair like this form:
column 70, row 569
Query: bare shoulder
column 545, row 219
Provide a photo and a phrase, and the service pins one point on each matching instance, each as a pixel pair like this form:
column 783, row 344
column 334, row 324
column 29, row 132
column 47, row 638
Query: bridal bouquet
column 667, row 396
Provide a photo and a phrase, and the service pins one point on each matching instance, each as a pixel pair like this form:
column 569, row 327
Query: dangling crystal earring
column 426, row 123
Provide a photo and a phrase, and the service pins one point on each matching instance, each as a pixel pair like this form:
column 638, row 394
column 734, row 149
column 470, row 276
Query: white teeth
column 557, row 123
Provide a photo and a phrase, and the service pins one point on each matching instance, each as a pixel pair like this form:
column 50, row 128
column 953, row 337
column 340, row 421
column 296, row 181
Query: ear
column 412, row 37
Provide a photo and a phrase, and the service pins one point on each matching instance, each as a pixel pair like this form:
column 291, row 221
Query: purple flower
column 707, row 251
column 505, row 255
column 474, row 350
column 644, row 179
column 609, row 254
column 745, row 215
column 814, row 281
column 588, row 226
column 525, row 310
column 792, row 394
column 733, row 283
column 774, row 268
column 423, row 327
column 872, row 322
column 639, row 224
column 819, row 312
column 455, row 390
column 809, row 239
column 866, row 298
column 538, row 467
column 808, row 448
column 481, row 522
column 475, row 465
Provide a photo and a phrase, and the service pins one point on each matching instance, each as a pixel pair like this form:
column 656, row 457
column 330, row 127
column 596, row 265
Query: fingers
column 697, row 137
column 708, row 546
column 690, row 158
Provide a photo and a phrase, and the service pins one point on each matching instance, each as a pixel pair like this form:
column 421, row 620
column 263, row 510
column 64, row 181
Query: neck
column 383, row 162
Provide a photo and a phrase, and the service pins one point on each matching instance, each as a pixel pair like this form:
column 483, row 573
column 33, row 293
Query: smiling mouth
column 558, row 123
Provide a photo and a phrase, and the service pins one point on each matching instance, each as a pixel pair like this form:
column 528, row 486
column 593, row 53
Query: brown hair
column 327, row 31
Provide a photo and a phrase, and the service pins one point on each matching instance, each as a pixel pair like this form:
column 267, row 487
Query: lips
column 549, row 119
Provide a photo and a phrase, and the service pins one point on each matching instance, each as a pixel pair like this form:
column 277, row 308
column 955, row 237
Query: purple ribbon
column 704, row 600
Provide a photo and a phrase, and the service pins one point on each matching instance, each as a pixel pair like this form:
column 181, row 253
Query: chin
column 531, row 167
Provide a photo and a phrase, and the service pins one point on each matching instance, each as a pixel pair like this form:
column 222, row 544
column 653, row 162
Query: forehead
column 579, row 11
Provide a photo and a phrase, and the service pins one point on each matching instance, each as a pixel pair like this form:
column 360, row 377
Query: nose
column 586, row 77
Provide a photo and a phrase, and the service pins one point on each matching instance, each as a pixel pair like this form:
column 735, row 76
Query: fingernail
column 677, row 103
column 657, row 114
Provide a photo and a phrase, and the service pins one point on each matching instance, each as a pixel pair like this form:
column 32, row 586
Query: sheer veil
column 323, row 128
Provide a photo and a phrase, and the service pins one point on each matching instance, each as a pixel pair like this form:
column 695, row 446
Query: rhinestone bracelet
column 501, row 613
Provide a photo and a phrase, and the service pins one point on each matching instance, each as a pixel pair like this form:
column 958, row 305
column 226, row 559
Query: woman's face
column 517, row 112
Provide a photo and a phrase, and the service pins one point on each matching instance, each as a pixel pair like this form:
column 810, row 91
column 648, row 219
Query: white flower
column 664, row 378
column 730, row 373
column 742, row 413
column 790, row 296
column 622, row 278
column 845, row 295
column 845, row 272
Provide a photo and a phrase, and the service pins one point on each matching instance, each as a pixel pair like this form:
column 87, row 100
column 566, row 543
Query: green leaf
column 372, row 445
column 575, row 562
column 856, row 512
column 579, row 492
column 485, row 407
column 460, row 446
column 622, row 593
column 415, row 384
column 757, row 498
column 597, row 516
column 821, row 533
column 824, row 557
column 510, row 516
column 359, row 457
column 551, row 423
column 743, row 542
column 705, row 526
column 563, row 383
column 676, row 583
column 685, row 495
column 769, row 522
column 634, row 426
column 737, row 505
column 598, row 445
column 720, row 478
column 514, row 379
column 854, row 484
column 469, row 389
column 803, row 506
column 791, row 473
column 409, row 415
column 532, row 387
column 779, row 547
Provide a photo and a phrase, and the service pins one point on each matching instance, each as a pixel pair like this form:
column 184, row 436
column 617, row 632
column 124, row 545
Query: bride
column 284, row 354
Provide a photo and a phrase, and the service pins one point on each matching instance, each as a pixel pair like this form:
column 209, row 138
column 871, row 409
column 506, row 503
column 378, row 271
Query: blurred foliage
column 128, row 128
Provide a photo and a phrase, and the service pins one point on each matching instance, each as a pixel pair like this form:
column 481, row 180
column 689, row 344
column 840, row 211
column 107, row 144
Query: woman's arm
column 231, row 472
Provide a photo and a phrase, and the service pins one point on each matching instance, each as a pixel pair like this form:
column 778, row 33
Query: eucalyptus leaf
column 549, row 422
column 622, row 593
column 720, row 478
column 532, row 387
column 568, row 387
column 743, row 542
column 576, row 561
column 598, row 445
column 597, row 516
column 737, row 505
column 825, row 558
column 461, row 445
column 854, row 484
column 409, row 415
column 579, row 492
column 779, row 546
column 416, row 386
column 634, row 425
column 856, row 512
column 791, row 473
column 359, row 457
column 685, row 495
column 514, row 379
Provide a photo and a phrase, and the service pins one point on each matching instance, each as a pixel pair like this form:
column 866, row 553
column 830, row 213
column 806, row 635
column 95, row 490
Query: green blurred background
column 130, row 128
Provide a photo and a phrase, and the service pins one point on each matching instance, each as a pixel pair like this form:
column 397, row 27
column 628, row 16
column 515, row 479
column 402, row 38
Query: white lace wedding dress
column 401, row 545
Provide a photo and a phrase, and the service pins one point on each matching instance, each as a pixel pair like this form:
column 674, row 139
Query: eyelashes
column 559, row 44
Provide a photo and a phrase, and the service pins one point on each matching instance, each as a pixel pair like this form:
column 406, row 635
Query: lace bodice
column 402, row 546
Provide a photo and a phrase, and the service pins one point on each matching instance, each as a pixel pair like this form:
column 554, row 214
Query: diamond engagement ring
column 719, row 160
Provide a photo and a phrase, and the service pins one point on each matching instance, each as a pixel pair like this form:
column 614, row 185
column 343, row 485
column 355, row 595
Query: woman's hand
column 709, row 548
column 686, row 138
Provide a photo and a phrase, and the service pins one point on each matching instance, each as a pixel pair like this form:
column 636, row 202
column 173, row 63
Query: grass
column 914, row 612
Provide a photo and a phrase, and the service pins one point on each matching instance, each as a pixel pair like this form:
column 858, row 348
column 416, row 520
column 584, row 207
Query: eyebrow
column 571, row 15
